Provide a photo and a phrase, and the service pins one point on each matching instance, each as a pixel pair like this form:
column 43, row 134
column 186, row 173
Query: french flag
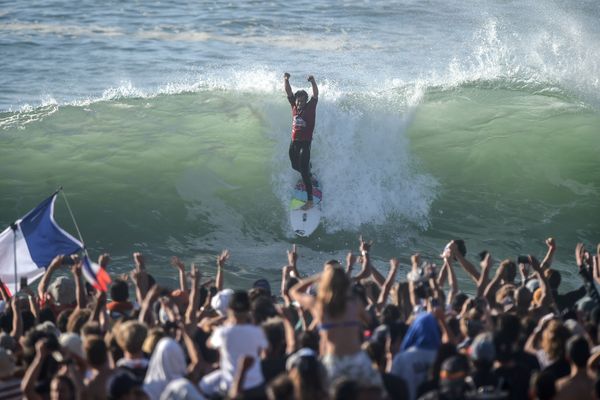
column 29, row 245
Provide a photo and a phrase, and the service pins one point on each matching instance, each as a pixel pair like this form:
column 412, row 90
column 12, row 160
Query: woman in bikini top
column 337, row 314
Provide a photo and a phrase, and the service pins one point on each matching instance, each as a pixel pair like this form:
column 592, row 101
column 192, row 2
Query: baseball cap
column 220, row 301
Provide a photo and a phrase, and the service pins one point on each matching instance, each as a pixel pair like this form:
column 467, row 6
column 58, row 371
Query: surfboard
column 304, row 223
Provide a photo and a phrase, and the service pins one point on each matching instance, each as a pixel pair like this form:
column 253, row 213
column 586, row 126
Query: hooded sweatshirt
column 417, row 352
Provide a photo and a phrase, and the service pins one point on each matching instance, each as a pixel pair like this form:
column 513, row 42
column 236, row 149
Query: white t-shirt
column 233, row 342
column 413, row 366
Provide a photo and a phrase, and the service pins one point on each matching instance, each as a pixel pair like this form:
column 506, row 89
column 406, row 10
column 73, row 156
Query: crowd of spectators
column 339, row 334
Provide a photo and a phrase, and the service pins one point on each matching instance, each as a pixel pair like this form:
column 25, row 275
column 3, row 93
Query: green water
column 193, row 173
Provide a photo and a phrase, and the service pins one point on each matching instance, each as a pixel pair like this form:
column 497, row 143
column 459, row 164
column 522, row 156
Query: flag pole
column 60, row 189
column 14, row 228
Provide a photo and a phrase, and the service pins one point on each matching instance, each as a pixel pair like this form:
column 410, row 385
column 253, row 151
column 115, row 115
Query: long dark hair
column 307, row 377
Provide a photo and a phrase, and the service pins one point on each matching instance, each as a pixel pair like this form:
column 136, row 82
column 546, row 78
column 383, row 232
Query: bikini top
column 325, row 326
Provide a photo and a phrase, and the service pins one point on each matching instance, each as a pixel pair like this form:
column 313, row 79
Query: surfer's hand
column 551, row 243
column 311, row 78
column 394, row 263
column 286, row 75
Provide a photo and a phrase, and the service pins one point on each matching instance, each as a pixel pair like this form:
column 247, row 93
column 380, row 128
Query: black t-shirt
column 482, row 378
column 272, row 367
column 559, row 369
column 516, row 380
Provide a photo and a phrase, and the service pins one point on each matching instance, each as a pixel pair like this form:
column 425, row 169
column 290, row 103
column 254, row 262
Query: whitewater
column 168, row 127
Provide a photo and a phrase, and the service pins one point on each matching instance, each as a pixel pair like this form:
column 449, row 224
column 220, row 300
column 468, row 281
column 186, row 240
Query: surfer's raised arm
column 286, row 84
column 315, row 89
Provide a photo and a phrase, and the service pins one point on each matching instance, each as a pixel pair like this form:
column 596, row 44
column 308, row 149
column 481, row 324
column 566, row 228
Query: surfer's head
column 301, row 98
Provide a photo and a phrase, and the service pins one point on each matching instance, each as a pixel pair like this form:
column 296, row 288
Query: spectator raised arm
column 292, row 256
column 547, row 261
column 389, row 281
column 585, row 264
column 139, row 277
column 298, row 292
column 4, row 292
column 221, row 260
column 44, row 282
column 547, row 299
column 32, row 374
column 194, row 301
column 17, row 328
column 466, row 264
column 415, row 259
column 180, row 267
column 484, row 278
column 596, row 265
column 79, row 290
column 350, row 261
column 452, row 281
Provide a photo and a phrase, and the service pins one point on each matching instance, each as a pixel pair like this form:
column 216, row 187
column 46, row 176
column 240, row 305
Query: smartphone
column 483, row 255
column 523, row 260
column 23, row 284
column 434, row 302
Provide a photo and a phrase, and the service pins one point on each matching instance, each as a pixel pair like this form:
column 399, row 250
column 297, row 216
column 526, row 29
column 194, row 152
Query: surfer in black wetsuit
column 304, row 112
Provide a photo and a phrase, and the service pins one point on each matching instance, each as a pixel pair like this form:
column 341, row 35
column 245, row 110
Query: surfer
column 304, row 113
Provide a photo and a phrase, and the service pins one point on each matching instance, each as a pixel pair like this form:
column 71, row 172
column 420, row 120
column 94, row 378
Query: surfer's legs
column 294, row 153
column 299, row 153
column 305, row 168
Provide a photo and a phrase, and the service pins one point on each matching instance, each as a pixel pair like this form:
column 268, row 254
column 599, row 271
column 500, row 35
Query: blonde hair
column 130, row 336
column 554, row 340
column 333, row 290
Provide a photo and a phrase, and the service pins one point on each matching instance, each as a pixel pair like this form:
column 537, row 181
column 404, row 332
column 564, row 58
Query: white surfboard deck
column 304, row 223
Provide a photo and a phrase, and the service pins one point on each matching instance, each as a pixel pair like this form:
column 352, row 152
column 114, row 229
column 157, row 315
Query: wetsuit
column 303, row 125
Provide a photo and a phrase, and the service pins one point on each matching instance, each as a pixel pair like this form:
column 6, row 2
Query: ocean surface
column 167, row 125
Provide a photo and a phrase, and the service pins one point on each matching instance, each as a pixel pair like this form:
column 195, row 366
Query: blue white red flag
column 29, row 245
